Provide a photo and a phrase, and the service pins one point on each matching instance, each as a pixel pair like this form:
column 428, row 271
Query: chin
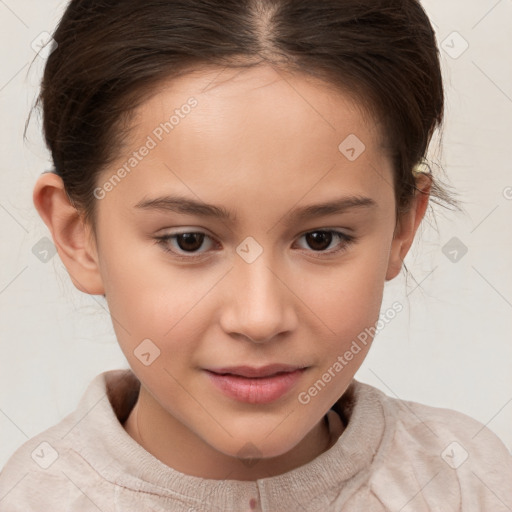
column 257, row 446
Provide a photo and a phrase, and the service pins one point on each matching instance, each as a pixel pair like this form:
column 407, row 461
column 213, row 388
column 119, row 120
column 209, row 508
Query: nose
column 258, row 305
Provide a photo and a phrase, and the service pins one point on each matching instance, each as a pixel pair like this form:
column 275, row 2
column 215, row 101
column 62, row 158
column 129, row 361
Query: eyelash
column 347, row 240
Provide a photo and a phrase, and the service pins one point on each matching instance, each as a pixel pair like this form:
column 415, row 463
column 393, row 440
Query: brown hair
column 111, row 54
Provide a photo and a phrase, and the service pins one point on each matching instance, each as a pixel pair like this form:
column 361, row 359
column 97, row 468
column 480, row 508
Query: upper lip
column 262, row 371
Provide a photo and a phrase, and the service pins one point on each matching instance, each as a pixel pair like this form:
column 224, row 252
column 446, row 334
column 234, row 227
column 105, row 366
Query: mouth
column 256, row 385
column 256, row 373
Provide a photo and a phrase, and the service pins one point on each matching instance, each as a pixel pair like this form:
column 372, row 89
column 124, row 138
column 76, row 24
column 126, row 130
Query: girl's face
column 248, row 161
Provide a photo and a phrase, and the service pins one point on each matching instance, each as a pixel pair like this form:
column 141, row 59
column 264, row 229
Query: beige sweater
column 393, row 455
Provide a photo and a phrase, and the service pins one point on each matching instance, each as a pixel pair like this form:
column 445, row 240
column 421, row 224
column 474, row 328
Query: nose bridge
column 259, row 305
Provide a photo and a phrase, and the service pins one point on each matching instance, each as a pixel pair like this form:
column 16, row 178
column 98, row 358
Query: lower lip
column 256, row 391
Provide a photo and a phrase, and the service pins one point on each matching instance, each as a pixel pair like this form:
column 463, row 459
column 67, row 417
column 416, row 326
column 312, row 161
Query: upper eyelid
column 201, row 231
column 335, row 231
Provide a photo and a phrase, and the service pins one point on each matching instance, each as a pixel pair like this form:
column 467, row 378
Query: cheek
column 348, row 304
column 348, row 297
column 149, row 299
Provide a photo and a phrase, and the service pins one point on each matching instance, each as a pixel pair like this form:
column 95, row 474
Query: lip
column 256, row 385
column 252, row 372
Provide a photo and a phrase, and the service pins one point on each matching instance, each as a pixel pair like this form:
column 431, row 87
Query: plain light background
column 451, row 346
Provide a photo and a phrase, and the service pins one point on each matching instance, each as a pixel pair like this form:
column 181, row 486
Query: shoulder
column 459, row 436
column 47, row 472
column 41, row 475
column 441, row 457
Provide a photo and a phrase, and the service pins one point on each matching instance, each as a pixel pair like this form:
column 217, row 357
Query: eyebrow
column 185, row 205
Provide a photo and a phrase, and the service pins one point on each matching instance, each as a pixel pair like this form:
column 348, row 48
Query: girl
column 239, row 180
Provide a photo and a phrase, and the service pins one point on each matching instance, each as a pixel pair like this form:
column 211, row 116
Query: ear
column 71, row 236
column 407, row 226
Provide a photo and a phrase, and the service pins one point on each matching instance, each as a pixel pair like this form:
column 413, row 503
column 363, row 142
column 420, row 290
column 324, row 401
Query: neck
column 170, row 441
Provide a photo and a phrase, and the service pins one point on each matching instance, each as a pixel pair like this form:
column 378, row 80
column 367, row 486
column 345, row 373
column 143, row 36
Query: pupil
column 319, row 238
column 192, row 241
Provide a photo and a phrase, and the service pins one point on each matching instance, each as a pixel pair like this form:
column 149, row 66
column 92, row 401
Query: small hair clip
column 419, row 168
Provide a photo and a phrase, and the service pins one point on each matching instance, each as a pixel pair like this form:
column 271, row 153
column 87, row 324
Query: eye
column 186, row 245
column 321, row 240
column 183, row 243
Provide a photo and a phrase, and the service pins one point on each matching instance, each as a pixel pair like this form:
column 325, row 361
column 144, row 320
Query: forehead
column 254, row 130
column 261, row 91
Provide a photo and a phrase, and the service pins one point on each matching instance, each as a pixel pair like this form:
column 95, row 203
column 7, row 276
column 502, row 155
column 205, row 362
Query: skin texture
column 259, row 142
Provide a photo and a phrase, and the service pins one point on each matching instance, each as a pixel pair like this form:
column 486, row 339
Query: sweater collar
column 103, row 442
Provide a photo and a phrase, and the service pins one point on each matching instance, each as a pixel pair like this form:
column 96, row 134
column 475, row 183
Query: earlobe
column 69, row 232
column 408, row 226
